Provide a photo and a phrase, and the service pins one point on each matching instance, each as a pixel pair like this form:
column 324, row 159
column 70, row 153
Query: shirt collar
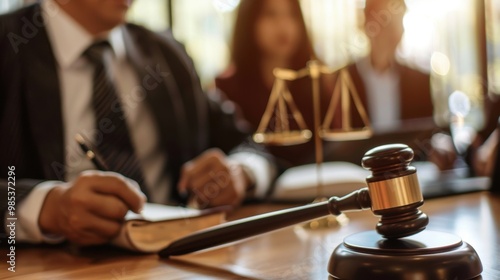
column 69, row 39
column 364, row 65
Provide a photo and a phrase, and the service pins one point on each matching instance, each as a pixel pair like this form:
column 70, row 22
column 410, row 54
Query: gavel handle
column 251, row 226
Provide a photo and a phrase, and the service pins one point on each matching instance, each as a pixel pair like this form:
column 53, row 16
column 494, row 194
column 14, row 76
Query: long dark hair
column 245, row 52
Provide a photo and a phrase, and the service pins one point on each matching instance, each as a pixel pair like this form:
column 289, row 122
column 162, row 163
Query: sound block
column 425, row 255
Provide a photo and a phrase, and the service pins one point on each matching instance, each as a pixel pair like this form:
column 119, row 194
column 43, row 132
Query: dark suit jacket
column 414, row 88
column 31, row 124
column 416, row 104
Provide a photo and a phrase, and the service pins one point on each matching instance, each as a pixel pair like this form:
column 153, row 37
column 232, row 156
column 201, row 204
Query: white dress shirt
column 69, row 40
column 382, row 95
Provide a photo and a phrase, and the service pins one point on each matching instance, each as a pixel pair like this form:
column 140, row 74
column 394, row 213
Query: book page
column 153, row 212
column 158, row 225
column 152, row 237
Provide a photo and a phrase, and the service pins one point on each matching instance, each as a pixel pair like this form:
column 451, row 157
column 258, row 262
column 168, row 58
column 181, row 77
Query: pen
column 96, row 160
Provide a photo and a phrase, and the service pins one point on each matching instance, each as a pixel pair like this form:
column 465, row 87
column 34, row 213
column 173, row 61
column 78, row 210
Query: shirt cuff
column 258, row 168
column 28, row 212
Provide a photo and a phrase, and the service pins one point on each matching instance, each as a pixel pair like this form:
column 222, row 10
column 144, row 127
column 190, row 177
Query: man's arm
column 90, row 210
column 21, row 188
column 211, row 176
column 227, row 125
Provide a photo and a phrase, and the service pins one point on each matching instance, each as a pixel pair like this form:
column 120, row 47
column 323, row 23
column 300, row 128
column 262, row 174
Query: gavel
column 393, row 193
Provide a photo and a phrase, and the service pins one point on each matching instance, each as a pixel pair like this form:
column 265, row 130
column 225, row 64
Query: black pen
column 96, row 159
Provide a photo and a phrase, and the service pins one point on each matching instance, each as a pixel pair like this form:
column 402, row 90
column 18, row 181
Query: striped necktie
column 115, row 146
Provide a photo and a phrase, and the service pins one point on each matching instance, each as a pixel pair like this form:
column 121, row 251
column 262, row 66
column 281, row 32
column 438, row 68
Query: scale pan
column 346, row 135
column 287, row 138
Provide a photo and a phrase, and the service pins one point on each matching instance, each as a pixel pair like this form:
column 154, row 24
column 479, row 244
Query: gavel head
column 394, row 191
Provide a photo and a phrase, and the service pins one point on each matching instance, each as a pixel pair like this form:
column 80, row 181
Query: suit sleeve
column 22, row 188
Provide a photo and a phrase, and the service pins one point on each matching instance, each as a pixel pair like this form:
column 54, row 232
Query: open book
column 158, row 225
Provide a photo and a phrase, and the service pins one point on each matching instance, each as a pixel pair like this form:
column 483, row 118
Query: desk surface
column 282, row 254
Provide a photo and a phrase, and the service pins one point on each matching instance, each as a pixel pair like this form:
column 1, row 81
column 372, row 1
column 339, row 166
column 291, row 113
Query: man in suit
column 69, row 67
column 391, row 92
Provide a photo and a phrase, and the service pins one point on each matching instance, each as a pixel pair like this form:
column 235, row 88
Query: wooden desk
column 289, row 253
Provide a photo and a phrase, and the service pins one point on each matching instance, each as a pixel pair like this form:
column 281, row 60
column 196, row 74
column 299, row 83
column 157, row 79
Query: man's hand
column 91, row 210
column 213, row 180
column 484, row 158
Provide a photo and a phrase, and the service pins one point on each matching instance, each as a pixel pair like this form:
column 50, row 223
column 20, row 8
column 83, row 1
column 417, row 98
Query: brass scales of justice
column 282, row 106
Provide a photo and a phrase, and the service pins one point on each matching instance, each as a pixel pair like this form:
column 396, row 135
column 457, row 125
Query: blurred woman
column 270, row 34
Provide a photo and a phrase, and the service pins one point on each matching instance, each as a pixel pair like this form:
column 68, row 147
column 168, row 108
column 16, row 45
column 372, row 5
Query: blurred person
column 390, row 91
column 396, row 97
column 69, row 67
column 267, row 35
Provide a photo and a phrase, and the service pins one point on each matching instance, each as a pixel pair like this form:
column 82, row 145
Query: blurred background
column 456, row 41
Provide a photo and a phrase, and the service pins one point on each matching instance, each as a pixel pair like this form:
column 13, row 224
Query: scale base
column 326, row 222
column 426, row 255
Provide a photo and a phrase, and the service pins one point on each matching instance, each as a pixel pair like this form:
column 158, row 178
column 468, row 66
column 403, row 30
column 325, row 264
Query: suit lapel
column 43, row 102
column 403, row 97
column 162, row 95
